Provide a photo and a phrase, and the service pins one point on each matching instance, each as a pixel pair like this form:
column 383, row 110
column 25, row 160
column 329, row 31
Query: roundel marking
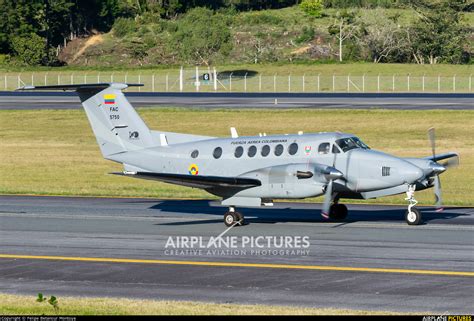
column 193, row 169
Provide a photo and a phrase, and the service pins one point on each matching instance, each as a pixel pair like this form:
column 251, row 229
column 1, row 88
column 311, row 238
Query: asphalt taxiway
column 403, row 101
column 117, row 247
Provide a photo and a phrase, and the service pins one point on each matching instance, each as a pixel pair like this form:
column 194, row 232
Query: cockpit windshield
column 350, row 143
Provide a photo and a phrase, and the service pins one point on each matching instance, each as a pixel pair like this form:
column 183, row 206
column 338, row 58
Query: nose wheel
column 412, row 215
column 232, row 218
column 338, row 212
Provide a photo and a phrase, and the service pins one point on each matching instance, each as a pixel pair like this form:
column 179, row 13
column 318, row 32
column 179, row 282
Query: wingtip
column 325, row 215
column 25, row 88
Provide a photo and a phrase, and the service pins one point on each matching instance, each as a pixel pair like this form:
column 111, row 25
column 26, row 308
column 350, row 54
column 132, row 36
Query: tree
column 313, row 8
column 57, row 21
column 260, row 49
column 438, row 34
column 31, row 49
column 344, row 27
column 380, row 34
column 19, row 18
column 201, row 35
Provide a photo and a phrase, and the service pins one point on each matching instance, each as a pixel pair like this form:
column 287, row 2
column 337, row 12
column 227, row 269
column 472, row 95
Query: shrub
column 365, row 3
column 51, row 59
column 258, row 18
column 124, row 26
column 312, row 7
column 306, row 36
column 30, row 49
column 201, row 35
column 4, row 59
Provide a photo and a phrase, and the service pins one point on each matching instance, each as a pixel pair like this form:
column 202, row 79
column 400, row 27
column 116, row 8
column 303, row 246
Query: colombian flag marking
column 109, row 99
column 193, row 169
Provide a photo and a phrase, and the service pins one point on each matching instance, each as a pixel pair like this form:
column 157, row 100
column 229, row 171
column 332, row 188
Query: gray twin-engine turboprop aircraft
column 255, row 170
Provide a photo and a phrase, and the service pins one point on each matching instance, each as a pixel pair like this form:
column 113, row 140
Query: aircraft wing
column 442, row 156
column 198, row 181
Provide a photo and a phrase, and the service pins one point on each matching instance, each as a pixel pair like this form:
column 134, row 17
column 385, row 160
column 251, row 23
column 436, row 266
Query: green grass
column 297, row 69
column 54, row 152
column 262, row 77
column 26, row 305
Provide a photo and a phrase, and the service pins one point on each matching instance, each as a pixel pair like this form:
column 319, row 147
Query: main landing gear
column 232, row 217
column 412, row 215
column 337, row 211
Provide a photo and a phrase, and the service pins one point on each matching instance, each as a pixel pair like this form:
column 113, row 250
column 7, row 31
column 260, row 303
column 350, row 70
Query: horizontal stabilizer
column 76, row 87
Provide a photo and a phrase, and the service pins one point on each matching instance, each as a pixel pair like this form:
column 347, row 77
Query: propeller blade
column 438, row 170
column 334, row 149
column 327, row 201
column 437, row 192
column 331, row 174
column 432, row 138
column 451, row 162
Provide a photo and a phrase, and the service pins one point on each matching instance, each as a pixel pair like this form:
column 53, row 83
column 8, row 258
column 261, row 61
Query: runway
column 120, row 247
column 403, row 101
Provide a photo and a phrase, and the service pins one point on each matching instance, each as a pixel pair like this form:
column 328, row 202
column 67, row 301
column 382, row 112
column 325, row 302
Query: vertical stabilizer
column 115, row 123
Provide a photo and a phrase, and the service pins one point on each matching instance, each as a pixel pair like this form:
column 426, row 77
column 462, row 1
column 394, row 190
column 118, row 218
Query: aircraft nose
column 410, row 173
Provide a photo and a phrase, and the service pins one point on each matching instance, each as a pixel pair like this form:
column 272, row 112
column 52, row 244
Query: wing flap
column 197, row 181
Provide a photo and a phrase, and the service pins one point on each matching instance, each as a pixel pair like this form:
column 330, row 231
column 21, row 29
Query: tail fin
column 116, row 125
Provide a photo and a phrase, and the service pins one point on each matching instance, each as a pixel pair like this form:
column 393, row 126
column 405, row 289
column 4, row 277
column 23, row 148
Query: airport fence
column 213, row 80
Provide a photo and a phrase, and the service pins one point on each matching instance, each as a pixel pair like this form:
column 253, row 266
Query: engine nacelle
column 285, row 181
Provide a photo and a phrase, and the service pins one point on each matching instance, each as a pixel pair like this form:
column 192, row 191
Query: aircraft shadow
column 271, row 215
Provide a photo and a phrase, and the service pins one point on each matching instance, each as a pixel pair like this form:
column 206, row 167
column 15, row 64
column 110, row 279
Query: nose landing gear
column 412, row 215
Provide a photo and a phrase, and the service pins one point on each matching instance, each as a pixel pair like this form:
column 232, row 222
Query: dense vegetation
column 35, row 32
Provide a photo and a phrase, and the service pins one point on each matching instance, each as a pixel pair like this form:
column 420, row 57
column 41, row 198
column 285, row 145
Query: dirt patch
column 76, row 48
column 91, row 41
column 301, row 50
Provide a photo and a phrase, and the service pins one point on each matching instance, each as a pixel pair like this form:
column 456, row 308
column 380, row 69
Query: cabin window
column 252, row 151
column 335, row 150
column 323, row 148
column 239, row 151
column 217, row 152
column 278, row 150
column 293, row 148
column 195, row 153
column 265, row 150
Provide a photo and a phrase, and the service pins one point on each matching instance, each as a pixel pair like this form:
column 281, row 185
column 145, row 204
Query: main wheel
column 240, row 218
column 230, row 218
column 413, row 217
column 338, row 212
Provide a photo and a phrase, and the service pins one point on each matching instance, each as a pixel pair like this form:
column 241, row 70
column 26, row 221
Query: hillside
column 267, row 36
